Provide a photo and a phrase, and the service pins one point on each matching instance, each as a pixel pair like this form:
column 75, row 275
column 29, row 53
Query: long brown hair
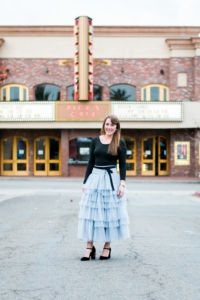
column 114, row 145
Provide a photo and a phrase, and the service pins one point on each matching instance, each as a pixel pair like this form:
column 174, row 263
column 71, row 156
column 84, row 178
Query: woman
column 103, row 216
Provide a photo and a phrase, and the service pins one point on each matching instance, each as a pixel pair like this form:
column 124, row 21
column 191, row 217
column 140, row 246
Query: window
column 14, row 92
column 97, row 93
column 155, row 92
column 122, row 92
column 79, row 150
column 47, row 92
column 70, row 93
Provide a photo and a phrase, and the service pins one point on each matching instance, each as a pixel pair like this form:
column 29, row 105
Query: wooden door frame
column 47, row 160
column 14, row 161
column 163, row 173
column 151, row 172
column 134, row 160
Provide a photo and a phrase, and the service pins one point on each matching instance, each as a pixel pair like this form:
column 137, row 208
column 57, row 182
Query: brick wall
column 181, row 65
column 197, row 78
column 137, row 72
column 197, row 151
column 186, row 135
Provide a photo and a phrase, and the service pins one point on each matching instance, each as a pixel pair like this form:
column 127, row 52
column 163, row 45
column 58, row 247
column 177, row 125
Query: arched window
column 14, row 92
column 97, row 93
column 47, row 92
column 70, row 93
column 155, row 92
column 122, row 92
column 79, row 150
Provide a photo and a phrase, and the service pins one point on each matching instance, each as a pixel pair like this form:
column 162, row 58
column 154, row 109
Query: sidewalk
column 167, row 179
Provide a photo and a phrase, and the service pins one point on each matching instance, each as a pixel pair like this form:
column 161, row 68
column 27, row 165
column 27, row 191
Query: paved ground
column 39, row 252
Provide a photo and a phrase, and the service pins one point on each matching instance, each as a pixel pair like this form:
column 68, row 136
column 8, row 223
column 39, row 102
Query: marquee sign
column 76, row 111
column 76, row 60
column 90, row 61
column 83, row 59
column 143, row 111
column 27, row 111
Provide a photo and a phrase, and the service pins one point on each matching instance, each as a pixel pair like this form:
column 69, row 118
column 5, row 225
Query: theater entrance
column 155, row 156
column 47, row 161
column 14, row 156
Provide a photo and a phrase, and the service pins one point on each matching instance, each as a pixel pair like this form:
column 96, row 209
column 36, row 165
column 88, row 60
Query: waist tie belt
column 108, row 169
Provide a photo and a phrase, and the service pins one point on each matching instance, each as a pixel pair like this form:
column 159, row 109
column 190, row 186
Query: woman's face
column 109, row 127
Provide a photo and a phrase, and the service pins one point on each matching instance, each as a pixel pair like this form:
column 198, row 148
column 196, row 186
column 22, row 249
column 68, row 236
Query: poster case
column 182, row 153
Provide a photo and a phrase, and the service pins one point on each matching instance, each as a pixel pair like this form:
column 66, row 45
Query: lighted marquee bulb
column 90, row 59
column 90, row 69
column 76, row 39
column 90, row 29
column 76, row 29
column 90, row 77
column 90, row 88
column 76, row 49
column 90, row 49
column 90, row 39
column 76, row 78
column 76, row 68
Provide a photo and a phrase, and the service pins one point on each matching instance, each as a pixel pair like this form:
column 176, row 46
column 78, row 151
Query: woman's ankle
column 89, row 245
column 107, row 245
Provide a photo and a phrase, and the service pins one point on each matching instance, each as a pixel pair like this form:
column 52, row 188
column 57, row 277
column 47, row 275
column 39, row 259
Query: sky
column 103, row 12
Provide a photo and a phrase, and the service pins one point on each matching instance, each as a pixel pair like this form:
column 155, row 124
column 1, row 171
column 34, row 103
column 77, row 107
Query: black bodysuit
column 99, row 156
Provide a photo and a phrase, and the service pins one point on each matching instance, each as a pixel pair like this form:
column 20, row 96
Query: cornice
column 180, row 44
column 196, row 42
column 146, row 31
column 38, row 31
column 183, row 44
column 104, row 31
column 1, row 42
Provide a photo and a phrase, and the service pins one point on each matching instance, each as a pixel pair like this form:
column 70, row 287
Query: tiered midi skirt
column 103, row 216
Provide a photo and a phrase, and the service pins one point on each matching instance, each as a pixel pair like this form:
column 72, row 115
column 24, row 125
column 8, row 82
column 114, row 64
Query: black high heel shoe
column 92, row 254
column 106, row 257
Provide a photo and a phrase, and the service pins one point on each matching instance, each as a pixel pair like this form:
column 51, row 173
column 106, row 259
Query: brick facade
column 181, row 65
column 137, row 72
column 77, row 170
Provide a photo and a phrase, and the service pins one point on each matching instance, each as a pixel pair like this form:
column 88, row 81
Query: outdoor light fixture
column 47, row 70
column 122, row 70
column 162, row 72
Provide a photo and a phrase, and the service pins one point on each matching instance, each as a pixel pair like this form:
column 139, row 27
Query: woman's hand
column 120, row 191
column 83, row 188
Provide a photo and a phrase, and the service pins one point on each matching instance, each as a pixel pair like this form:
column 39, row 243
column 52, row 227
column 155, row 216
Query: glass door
column 163, row 156
column 14, row 156
column 148, row 156
column 130, row 155
column 47, row 156
column 40, row 157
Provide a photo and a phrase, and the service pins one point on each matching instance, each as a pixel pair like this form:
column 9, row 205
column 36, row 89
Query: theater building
column 57, row 83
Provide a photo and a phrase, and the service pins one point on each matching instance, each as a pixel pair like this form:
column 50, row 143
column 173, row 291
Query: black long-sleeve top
column 99, row 156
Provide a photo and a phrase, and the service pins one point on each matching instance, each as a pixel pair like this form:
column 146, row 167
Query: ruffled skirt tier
column 103, row 216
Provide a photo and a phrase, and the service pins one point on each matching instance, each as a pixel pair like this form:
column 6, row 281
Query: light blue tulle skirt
column 103, row 216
